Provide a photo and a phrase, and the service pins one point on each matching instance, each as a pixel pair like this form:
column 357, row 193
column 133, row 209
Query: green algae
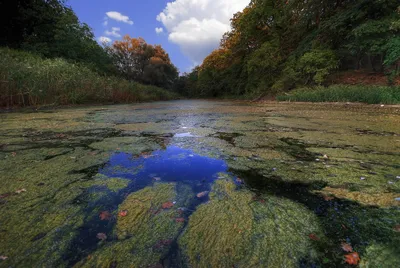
column 235, row 230
column 145, row 234
column 55, row 157
column 133, row 145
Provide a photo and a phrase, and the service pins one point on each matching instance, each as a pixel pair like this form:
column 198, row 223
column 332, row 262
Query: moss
column 248, row 233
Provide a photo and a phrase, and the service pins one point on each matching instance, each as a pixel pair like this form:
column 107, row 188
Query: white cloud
column 197, row 26
column 115, row 32
column 114, row 15
column 104, row 39
column 105, row 23
column 159, row 30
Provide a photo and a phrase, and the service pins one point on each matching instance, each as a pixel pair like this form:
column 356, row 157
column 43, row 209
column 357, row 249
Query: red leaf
column 168, row 204
column 313, row 237
column 105, row 216
column 180, row 220
column 396, row 228
column 123, row 213
column 352, row 258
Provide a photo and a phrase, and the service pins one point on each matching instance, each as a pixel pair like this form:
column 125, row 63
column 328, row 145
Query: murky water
column 201, row 184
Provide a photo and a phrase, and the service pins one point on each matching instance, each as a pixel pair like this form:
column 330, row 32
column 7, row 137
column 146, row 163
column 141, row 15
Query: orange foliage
column 218, row 59
column 352, row 258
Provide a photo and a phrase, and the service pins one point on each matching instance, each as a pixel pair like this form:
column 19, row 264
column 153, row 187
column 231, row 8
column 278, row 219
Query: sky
column 187, row 29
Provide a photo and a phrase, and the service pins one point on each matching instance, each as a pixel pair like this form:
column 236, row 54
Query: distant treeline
column 58, row 42
column 277, row 45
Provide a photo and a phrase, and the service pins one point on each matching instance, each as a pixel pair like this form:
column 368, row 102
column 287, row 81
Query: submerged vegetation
column 197, row 183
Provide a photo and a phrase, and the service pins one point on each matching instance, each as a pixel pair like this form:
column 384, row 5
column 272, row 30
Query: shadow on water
column 173, row 164
column 341, row 220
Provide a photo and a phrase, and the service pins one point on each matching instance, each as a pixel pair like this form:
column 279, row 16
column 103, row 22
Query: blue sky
column 191, row 29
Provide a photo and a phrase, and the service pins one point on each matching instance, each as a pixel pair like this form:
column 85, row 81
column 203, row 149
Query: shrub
column 29, row 80
column 345, row 93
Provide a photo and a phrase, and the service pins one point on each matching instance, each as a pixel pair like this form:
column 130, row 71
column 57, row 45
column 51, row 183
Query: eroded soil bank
column 201, row 184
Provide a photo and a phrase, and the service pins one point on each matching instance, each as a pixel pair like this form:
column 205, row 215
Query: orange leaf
column 123, row 213
column 352, row 258
column 167, row 205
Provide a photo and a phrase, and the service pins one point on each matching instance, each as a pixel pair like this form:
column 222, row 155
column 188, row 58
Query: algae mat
column 201, row 184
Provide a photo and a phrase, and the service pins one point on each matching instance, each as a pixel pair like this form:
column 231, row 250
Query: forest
column 49, row 57
column 276, row 46
column 343, row 50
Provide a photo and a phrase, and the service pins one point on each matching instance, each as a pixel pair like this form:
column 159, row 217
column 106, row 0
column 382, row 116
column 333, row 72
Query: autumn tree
column 276, row 45
column 142, row 62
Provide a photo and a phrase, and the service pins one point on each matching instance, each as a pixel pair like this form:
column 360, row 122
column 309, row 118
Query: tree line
column 51, row 29
column 277, row 45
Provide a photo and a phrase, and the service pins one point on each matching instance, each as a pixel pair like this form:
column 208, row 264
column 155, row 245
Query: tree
column 142, row 62
column 51, row 29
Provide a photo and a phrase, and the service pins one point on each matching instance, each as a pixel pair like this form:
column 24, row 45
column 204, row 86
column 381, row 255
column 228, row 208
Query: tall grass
column 345, row 93
column 28, row 80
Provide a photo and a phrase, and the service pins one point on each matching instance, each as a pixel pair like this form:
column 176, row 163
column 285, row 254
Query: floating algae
column 147, row 231
column 61, row 170
column 236, row 230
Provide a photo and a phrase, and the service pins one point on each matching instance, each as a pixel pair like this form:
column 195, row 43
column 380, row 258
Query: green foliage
column 280, row 45
column 51, row 29
column 343, row 93
column 263, row 66
column 27, row 80
column 317, row 64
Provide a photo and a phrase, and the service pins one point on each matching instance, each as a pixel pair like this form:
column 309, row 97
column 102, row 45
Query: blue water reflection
column 171, row 165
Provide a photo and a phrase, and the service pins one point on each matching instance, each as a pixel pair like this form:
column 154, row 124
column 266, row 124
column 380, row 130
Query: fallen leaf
column 20, row 191
column 168, row 204
column 5, row 195
column 14, row 154
column 101, row 236
column 202, row 194
column 3, row 258
column 123, row 213
column 328, row 197
column 347, row 247
column 105, row 215
column 180, row 220
column 352, row 258
column 313, row 237
column 61, row 135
